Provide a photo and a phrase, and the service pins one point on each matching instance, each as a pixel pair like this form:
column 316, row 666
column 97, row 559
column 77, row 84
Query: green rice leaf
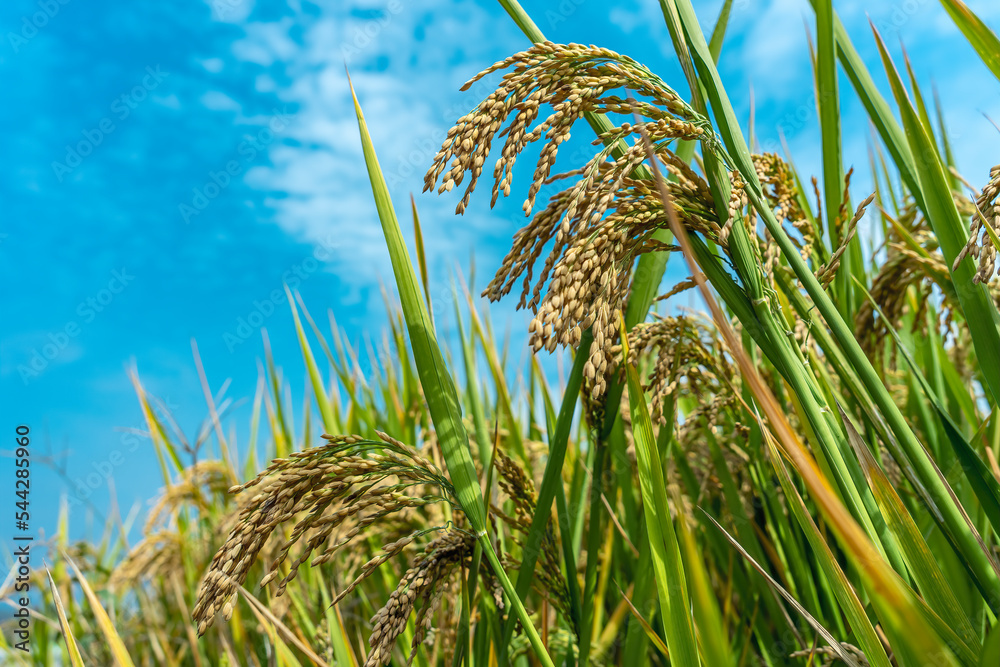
column 436, row 380
column 719, row 31
column 668, row 567
column 982, row 39
column 876, row 106
column 107, row 628
column 931, row 581
column 845, row 594
column 942, row 213
column 315, row 378
column 829, row 121
column 75, row 659
column 713, row 639
column 646, row 627
column 991, row 648
column 418, row 236
column 984, row 484
column 552, row 477
column 831, row 641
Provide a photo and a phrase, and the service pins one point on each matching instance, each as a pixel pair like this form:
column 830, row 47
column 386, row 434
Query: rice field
column 805, row 472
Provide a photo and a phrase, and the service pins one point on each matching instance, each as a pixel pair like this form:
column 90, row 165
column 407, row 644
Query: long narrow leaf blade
column 942, row 213
column 436, row 380
column 983, row 40
column 932, row 583
column 668, row 567
column 115, row 643
column 75, row 659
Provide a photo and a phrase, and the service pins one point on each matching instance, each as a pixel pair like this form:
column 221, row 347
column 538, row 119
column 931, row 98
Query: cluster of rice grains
column 593, row 230
column 427, row 581
column 689, row 364
column 518, row 487
column 599, row 224
column 686, row 354
column 914, row 258
column 779, row 188
column 981, row 246
column 903, row 266
column 333, row 493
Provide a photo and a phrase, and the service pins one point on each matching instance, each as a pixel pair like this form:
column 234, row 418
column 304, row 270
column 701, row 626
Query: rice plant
column 803, row 473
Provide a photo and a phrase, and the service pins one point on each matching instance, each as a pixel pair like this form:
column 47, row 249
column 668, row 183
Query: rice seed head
column 980, row 246
column 828, row 272
column 684, row 354
column 905, row 269
column 423, row 584
column 780, row 189
column 346, row 485
column 603, row 220
column 519, row 490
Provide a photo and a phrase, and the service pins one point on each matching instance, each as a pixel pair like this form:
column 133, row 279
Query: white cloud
column 216, row 100
column 405, row 85
column 774, row 55
column 231, row 11
column 213, row 65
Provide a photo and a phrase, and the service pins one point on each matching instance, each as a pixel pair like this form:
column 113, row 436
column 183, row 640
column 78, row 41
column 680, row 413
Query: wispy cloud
column 397, row 56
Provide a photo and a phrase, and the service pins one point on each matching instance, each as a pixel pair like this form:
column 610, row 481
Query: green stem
column 959, row 530
column 529, row 629
column 552, row 477
column 593, row 550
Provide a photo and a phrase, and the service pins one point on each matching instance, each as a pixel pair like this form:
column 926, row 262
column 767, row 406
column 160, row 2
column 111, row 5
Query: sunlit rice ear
column 606, row 217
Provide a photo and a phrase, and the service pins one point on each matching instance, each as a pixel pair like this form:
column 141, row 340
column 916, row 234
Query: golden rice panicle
column 737, row 205
column 781, row 191
column 571, row 80
column 980, row 246
column 902, row 267
column 196, row 482
column 686, row 356
column 425, row 583
column 349, row 483
column 601, row 222
column 160, row 553
column 519, row 489
column 829, row 271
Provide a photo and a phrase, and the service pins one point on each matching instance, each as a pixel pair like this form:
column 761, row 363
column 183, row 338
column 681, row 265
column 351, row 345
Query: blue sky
column 169, row 165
